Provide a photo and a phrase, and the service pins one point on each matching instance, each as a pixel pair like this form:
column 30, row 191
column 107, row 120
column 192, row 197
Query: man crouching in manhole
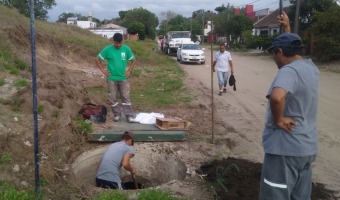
column 117, row 155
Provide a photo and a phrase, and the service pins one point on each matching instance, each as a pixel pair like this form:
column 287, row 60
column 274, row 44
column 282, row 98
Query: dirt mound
column 239, row 179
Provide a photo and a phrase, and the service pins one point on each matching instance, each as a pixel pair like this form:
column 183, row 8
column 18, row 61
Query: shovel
column 134, row 181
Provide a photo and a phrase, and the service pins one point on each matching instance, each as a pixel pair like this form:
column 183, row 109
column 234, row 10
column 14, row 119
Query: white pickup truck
column 174, row 39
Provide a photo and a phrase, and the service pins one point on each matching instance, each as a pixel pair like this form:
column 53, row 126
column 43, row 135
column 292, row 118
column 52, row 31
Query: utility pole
column 203, row 26
column 227, row 23
column 297, row 15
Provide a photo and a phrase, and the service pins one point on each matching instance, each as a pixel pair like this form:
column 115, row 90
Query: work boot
column 116, row 118
column 224, row 90
column 220, row 93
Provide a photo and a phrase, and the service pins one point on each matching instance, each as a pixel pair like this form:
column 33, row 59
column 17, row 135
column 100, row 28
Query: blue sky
column 108, row 9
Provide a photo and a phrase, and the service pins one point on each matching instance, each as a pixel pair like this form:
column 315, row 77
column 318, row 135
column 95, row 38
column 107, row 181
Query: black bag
column 232, row 81
column 93, row 112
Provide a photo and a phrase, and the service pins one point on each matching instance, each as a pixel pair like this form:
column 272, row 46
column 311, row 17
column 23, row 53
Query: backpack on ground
column 93, row 112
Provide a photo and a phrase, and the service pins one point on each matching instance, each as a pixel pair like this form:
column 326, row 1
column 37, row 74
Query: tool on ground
column 134, row 181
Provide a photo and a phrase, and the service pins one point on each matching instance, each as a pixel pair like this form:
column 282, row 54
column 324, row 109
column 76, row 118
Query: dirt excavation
column 203, row 170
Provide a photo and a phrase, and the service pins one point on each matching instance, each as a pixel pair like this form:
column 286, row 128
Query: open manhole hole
column 155, row 166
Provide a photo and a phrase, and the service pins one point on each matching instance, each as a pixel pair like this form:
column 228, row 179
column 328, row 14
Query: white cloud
column 108, row 9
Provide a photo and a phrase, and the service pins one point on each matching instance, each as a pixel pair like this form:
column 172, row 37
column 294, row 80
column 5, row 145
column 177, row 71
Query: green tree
column 221, row 20
column 239, row 24
column 179, row 23
column 326, row 28
column 137, row 27
column 63, row 16
column 41, row 7
column 148, row 19
column 307, row 8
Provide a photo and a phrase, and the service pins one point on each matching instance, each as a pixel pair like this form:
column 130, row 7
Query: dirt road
column 244, row 110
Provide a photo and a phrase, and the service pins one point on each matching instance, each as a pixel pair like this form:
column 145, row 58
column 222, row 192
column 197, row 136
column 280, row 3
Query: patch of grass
column 43, row 181
column 5, row 56
column 5, row 158
column 155, row 194
column 99, row 91
column 55, row 113
column 2, row 81
column 21, row 83
column 160, row 85
column 15, row 102
column 40, row 109
column 112, row 195
column 14, row 71
column 136, row 73
column 59, row 155
column 19, row 64
column 9, row 192
column 82, row 127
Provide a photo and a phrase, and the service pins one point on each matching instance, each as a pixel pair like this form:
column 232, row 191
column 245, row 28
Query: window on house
column 264, row 32
column 275, row 31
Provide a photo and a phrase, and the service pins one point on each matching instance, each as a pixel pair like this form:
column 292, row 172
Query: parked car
column 190, row 52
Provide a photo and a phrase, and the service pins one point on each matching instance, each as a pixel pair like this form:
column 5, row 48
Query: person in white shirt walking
column 222, row 62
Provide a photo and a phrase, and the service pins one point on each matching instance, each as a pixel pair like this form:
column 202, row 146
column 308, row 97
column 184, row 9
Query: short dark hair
column 127, row 135
column 118, row 37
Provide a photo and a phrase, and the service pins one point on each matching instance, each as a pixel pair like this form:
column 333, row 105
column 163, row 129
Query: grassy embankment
column 156, row 80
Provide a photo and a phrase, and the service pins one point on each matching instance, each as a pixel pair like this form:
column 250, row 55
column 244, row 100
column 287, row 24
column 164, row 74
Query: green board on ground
column 143, row 133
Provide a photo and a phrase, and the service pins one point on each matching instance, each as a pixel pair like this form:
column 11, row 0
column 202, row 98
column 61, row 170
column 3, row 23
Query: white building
column 106, row 32
column 82, row 24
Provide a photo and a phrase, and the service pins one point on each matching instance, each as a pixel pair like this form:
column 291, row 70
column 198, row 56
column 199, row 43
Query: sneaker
column 220, row 93
column 130, row 119
column 224, row 90
column 116, row 118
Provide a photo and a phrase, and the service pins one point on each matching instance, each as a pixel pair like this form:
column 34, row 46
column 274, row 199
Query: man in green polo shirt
column 117, row 72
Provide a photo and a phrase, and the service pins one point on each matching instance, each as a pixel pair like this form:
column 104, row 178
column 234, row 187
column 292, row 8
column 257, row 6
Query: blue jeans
column 123, row 89
column 222, row 78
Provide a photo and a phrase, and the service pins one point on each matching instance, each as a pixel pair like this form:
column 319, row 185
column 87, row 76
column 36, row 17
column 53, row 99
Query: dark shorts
column 109, row 185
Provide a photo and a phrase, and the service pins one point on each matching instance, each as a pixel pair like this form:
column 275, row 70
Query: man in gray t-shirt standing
column 290, row 134
column 117, row 155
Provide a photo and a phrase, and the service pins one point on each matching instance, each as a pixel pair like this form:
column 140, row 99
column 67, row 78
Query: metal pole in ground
column 212, row 95
column 35, row 101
